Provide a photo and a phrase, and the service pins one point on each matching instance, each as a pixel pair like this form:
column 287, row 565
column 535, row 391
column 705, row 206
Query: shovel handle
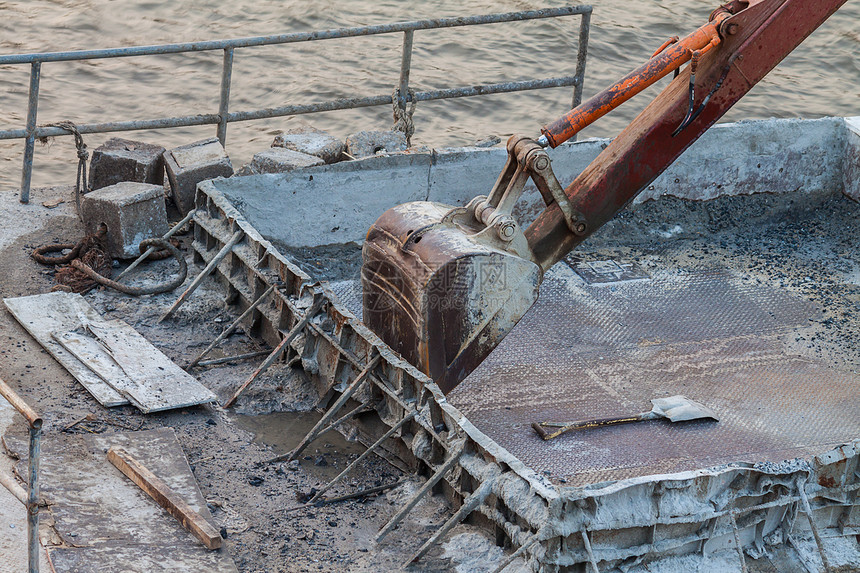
column 559, row 429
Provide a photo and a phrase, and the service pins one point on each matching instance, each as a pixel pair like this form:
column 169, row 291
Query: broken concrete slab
column 190, row 164
column 108, row 522
column 311, row 141
column 851, row 164
column 132, row 212
column 278, row 160
column 369, row 143
column 42, row 315
column 119, row 160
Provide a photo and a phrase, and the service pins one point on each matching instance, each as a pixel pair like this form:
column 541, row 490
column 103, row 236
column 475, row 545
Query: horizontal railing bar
column 299, row 109
column 210, row 45
column 386, row 99
column 500, row 88
column 134, row 125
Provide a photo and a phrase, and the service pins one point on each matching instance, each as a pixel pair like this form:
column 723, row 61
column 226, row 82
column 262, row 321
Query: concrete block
column 124, row 160
column 851, row 161
column 132, row 212
column 188, row 165
column 329, row 204
column 279, row 160
column 369, row 143
column 313, row 142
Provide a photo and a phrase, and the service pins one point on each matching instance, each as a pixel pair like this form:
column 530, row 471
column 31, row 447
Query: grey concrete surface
column 311, row 141
column 771, row 156
column 330, row 204
column 125, row 160
column 132, row 212
column 13, row 514
column 190, row 164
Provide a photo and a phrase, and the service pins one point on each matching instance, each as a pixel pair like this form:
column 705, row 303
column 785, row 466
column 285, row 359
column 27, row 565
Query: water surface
column 821, row 78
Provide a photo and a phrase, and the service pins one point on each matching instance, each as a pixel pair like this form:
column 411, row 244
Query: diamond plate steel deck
column 591, row 351
column 596, row 351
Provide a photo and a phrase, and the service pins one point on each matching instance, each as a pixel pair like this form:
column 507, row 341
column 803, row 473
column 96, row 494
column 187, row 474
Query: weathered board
column 158, row 383
column 109, row 357
column 93, row 355
column 165, row 497
column 113, row 525
column 43, row 314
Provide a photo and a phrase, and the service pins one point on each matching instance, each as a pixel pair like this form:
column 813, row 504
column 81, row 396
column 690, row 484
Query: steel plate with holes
column 705, row 331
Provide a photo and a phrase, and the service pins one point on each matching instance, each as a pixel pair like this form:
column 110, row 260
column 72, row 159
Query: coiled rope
column 81, row 185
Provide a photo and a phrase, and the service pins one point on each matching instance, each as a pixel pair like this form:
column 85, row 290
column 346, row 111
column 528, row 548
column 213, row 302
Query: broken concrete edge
column 773, row 156
column 679, row 503
column 851, row 167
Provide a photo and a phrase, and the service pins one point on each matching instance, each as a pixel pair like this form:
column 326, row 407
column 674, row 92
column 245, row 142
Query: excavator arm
column 753, row 38
column 444, row 285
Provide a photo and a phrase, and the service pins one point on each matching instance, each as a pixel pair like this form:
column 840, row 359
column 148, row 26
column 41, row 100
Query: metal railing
column 402, row 94
column 29, row 498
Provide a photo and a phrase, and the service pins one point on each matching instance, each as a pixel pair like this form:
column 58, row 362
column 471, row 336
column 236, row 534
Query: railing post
column 32, row 501
column 581, row 55
column 30, row 141
column 226, row 78
column 405, row 68
column 33, row 497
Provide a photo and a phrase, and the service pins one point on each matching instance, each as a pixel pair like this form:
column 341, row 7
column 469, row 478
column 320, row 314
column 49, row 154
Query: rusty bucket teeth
column 439, row 293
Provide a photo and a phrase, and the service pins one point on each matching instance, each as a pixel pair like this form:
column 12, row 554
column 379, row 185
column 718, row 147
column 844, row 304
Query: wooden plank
column 43, row 314
column 94, row 356
column 165, row 497
column 158, row 383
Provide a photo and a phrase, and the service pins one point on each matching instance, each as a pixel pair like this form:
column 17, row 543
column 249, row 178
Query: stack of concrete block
column 190, row 164
column 131, row 210
column 369, row 143
column 311, row 141
column 124, row 160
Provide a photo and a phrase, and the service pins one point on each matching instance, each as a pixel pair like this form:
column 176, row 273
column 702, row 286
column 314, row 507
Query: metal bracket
column 526, row 160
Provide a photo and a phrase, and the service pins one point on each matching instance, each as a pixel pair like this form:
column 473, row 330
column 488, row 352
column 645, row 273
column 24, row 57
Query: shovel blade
column 681, row 409
column 437, row 294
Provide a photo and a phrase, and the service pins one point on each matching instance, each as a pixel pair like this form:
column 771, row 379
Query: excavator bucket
column 443, row 285
column 440, row 293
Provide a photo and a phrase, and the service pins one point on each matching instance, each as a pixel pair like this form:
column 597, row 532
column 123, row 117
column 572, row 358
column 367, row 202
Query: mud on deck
column 747, row 304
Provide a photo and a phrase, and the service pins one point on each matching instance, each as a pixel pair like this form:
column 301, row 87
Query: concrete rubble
column 119, row 160
column 369, row 143
column 278, row 160
column 132, row 212
column 190, row 164
column 311, row 141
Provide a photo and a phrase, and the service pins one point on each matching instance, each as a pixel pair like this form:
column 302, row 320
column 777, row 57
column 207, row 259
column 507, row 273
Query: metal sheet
column 591, row 351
